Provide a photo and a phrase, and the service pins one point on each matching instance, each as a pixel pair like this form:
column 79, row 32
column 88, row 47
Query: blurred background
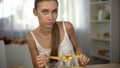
column 96, row 24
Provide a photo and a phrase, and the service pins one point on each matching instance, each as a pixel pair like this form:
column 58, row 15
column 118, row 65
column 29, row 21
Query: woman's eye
column 55, row 12
column 44, row 12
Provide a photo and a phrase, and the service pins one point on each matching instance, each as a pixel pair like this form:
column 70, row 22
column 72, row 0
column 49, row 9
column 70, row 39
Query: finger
column 85, row 63
column 40, row 58
column 42, row 65
column 41, row 62
column 80, row 59
column 80, row 62
column 88, row 60
column 85, row 59
column 81, row 56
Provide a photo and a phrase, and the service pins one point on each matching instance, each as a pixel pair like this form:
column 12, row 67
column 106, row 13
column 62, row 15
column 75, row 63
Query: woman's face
column 47, row 12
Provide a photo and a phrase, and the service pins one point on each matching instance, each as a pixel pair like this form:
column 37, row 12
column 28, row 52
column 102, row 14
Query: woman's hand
column 41, row 60
column 83, row 60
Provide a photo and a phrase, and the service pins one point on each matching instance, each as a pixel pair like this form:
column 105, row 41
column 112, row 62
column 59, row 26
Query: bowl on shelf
column 106, row 35
column 103, row 52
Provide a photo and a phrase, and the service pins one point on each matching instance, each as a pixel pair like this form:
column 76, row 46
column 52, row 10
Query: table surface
column 13, row 47
column 104, row 66
column 95, row 66
column 88, row 66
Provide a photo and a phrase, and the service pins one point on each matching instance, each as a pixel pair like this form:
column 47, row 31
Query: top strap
column 35, row 40
column 34, row 37
column 64, row 27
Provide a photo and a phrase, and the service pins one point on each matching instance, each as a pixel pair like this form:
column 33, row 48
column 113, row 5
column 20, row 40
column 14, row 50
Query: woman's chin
column 49, row 26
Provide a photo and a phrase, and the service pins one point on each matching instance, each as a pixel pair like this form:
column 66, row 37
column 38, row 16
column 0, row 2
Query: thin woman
column 52, row 37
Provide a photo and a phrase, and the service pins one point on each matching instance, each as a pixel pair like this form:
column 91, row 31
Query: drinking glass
column 68, row 60
column 52, row 65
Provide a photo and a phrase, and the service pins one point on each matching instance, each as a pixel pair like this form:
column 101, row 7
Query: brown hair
column 55, row 40
column 55, row 34
column 37, row 1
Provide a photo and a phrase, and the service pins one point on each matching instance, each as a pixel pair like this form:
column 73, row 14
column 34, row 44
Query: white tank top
column 64, row 46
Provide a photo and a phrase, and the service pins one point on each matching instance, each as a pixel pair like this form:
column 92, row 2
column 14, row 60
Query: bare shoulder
column 29, row 37
column 68, row 26
column 30, row 40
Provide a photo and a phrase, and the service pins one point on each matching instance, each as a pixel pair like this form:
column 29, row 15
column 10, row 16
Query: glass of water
column 68, row 60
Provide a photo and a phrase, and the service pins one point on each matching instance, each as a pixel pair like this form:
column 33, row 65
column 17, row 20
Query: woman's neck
column 45, row 31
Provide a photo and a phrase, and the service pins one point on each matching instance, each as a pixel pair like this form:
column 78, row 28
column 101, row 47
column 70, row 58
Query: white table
column 18, row 55
column 112, row 65
column 3, row 63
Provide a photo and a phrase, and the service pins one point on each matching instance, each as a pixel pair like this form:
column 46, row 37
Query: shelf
column 101, row 39
column 96, row 21
column 102, row 57
column 100, row 2
column 100, row 28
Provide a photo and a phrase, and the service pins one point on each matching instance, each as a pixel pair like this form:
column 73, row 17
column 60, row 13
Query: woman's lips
column 50, row 23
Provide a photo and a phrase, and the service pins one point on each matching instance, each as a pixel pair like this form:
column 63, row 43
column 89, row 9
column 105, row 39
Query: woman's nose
column 50, row 16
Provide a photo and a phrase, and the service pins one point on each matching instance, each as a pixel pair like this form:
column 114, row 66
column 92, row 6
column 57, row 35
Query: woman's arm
column 39, row 61
column 32, row 49
column 71, row 33
column 83, row 60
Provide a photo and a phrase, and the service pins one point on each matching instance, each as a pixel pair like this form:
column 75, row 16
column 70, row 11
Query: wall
column 115, row 31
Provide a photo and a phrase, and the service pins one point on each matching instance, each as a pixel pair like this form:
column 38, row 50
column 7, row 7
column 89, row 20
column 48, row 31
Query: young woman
column 51, row 37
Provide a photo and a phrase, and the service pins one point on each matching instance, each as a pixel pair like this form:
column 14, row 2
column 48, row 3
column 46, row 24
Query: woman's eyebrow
column 55, row 9
column 45, row 9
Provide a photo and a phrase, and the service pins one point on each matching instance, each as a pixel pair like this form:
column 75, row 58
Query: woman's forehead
column 48, row 4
